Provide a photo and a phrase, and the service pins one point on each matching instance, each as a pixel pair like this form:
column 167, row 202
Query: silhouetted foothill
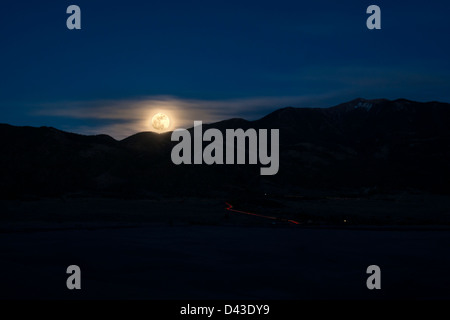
column 364, row 144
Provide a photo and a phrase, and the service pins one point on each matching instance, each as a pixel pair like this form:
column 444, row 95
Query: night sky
column 212, row 60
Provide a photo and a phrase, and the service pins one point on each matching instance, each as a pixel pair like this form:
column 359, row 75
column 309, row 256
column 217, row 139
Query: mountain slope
column 388, row 145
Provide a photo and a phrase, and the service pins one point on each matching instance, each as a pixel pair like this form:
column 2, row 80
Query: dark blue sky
column 241, row 58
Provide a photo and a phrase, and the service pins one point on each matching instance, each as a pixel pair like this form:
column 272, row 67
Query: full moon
column 160, row 122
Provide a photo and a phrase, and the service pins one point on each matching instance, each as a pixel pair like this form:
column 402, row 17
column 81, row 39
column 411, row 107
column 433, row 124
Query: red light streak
column 230, row 208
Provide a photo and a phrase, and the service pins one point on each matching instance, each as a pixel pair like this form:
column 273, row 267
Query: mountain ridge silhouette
column 380, row 144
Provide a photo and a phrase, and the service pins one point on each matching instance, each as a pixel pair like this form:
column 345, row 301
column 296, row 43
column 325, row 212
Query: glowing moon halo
column 160, row 122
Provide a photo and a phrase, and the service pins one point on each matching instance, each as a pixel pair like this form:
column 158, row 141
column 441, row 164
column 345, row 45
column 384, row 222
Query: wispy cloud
column 122, row 118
